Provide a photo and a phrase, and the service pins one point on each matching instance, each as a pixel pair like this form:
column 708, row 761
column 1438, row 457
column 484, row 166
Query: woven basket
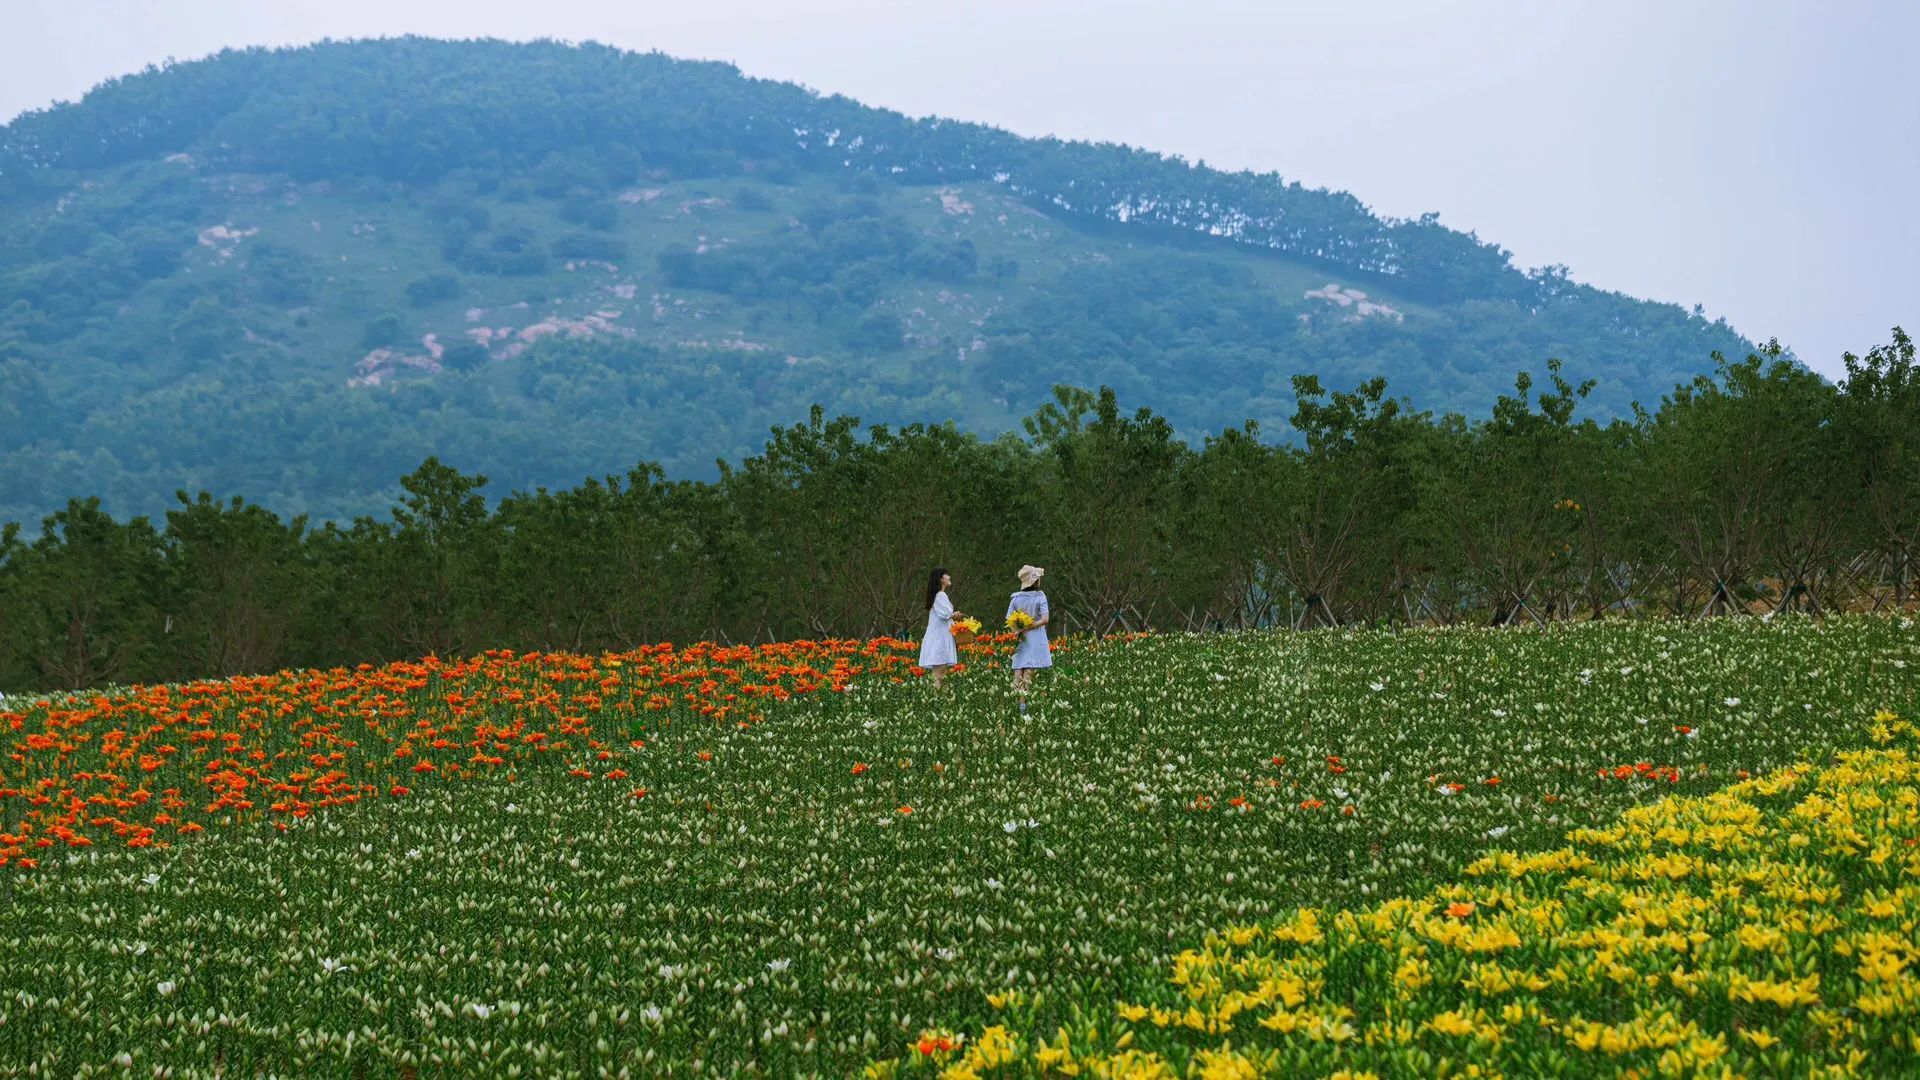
column 962, row 636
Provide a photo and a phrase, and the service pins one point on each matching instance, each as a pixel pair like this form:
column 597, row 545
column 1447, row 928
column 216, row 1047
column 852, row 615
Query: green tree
column 1230, row 494
column 1880, row 414
column 434, row 568
column 1711, row 467
column 432, row 289
column 1110, row 524
column 382, row 331
column 83, row 603
column 1343, row 493
column 1499, row 498
column 238, row 580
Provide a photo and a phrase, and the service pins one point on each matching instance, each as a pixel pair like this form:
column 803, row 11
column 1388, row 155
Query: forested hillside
column 294, row 274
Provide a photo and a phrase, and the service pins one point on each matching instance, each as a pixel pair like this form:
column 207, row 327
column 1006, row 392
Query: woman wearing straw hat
column 937, row 651
column 1032, row 652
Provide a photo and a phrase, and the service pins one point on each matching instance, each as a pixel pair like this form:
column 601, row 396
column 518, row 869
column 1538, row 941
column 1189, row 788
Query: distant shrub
column 677, row 264
column 464, row 355
column 513, row 252
column 860, row 183
column 512, row 241
column 573, row 210
column 588, row 246
column 284, row 275
column 878, row 331
column 527, row 263
column 695, row 164
column 590, row 209
column 620, row 164
column 603, row 216
column 446, row 210
column 483, row 177
column 863, row 282
column 381, row 331
column 565, row 171
column 455, row 240
column 432, row 289
column 63, row 238
column 951, row 262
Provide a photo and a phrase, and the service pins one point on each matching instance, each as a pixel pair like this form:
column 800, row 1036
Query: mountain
column 292, row 274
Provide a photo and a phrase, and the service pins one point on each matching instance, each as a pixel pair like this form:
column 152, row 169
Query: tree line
column 1760, row 488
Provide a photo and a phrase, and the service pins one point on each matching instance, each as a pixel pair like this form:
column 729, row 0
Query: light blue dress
column 1032, row 651
column 936, row 646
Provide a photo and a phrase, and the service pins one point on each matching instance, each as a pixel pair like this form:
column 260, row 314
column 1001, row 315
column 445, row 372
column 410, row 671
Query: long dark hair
column 933, row 584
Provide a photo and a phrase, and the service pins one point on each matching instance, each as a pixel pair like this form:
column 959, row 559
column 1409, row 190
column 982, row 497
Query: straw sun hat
column 1029, row 575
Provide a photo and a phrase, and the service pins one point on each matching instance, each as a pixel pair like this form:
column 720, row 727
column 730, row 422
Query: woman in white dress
column 937, row 651
column 1032, row 653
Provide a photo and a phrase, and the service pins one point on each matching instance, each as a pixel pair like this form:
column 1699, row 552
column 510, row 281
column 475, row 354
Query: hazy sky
column 1759, row 158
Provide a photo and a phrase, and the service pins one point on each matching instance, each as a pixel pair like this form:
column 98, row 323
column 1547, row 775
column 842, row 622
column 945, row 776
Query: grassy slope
column 145, row 401
column 370, row 249
column 357, row 248
column 135, row 378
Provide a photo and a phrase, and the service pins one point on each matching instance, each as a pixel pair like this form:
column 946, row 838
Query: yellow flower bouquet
column 1019, row 622
column 964, row 630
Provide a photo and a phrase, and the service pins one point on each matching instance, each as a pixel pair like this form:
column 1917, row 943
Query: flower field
column 1763, row 930
column 800, row 860
column 145, row 767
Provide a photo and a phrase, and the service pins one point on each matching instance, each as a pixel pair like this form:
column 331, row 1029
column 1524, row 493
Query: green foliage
column 84, row 602
column 1113, row 526
column 1740, row 475
column 238, row 580
column 670, row 259
column 563, row 172
column 878, row 331
column 589, row 246
column 382, row 331
column 1762, row 491
column 25, row 407
column 465, row 356
column 1342, row 525
column 1881, row 395
column 1501, row 497
column 429, row 290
